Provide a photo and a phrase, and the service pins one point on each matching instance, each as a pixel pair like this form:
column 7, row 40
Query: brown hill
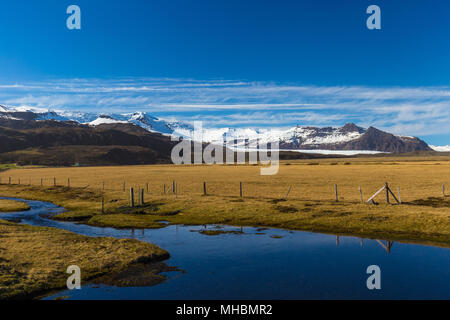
column 67, row 143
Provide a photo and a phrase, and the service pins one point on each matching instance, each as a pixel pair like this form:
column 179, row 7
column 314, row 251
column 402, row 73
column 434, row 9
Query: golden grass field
column 424, row 216
column 34, row 260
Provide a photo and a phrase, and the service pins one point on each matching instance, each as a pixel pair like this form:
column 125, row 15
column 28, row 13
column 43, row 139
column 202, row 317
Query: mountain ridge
column 348, row 137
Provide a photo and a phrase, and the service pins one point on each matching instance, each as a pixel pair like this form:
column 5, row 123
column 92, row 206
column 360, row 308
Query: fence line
column 175, row 189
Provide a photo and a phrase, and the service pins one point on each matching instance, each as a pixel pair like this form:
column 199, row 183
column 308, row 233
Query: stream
column 265, row 263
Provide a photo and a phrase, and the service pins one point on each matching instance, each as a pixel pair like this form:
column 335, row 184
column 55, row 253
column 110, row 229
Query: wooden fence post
column 399, row 195
column 204, row 189
column 9, row 180
column 103, row 204
column 131, row 197
column 142, row 197
column 443, row 190
column 360, row 194
column 240, row 190
column 42, row 182
column 336, row 192
column 287, row 194
column 19, row 181
column 173, row 187
column 146, row 187
column 387, row 192
column 54, row 182
column 124, row 186
column 164, row 188
column 68, row 183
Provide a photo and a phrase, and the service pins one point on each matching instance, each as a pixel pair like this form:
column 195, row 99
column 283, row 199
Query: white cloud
column 402, row 110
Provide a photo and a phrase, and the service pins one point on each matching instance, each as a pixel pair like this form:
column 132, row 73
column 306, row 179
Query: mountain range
column 141, row 138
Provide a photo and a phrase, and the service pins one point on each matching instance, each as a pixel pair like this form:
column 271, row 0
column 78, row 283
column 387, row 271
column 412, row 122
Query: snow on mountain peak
column 105, row 119
column 298, row 137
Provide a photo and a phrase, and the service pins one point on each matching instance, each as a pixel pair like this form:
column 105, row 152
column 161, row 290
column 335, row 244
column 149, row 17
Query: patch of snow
column 441, row 148
column 30, row 109
column 6, row 116
column 340, row 152
column 105, row 120
column 319, row 151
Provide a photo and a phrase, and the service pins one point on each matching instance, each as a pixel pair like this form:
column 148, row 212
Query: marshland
column 302, row 196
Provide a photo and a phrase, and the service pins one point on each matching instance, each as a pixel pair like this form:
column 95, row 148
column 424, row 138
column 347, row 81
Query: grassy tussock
column 33, row 260
column 12, row 206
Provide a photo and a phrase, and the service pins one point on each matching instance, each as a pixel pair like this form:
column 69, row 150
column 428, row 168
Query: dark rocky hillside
column 70, row 143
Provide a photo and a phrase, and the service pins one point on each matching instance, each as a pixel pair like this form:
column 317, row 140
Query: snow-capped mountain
column 348, row 137
column 141, row 119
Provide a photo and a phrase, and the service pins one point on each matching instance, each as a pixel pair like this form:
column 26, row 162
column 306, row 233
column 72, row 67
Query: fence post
column 164, row 188
column 147, row 187
column 287, row 194
column 9, row 180
column 42, row 182
column 399, row 195
column 142, row 197
column 360, row 194
column 68, row 183
column 387, row 192
column 131, row 197
column 443, row 190
column 204, row 189
column 240, row 190
column 336, row 192
column 54, row 182
column 19, row 181
column 103, row 204
column 124, row 186
column 173, row 187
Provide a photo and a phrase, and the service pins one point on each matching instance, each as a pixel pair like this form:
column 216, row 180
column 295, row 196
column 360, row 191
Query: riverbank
column 12, row 206
column 423, row 221
column 34, row 260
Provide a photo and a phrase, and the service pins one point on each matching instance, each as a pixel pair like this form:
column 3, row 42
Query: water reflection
column 386, row 246
column 264, row 263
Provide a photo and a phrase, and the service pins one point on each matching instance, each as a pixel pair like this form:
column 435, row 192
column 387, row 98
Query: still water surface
column 259, row 265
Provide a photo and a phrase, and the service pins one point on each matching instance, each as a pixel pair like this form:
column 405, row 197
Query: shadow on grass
column 147, row 209
column 434, row 202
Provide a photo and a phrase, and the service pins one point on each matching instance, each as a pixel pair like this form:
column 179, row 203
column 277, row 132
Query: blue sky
column 238, row 63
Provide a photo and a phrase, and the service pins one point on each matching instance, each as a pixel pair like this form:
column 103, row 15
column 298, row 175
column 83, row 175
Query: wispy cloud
column 403, row 110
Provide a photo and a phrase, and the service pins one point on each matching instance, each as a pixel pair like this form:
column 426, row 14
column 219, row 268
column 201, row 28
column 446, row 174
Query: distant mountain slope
column 50, row 142
column 374, row 139
column 87, row 128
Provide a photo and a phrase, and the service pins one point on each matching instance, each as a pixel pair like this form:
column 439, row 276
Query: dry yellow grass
column 34, row 260
column 425, row 216
column 12, row 206
column 418, row 179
